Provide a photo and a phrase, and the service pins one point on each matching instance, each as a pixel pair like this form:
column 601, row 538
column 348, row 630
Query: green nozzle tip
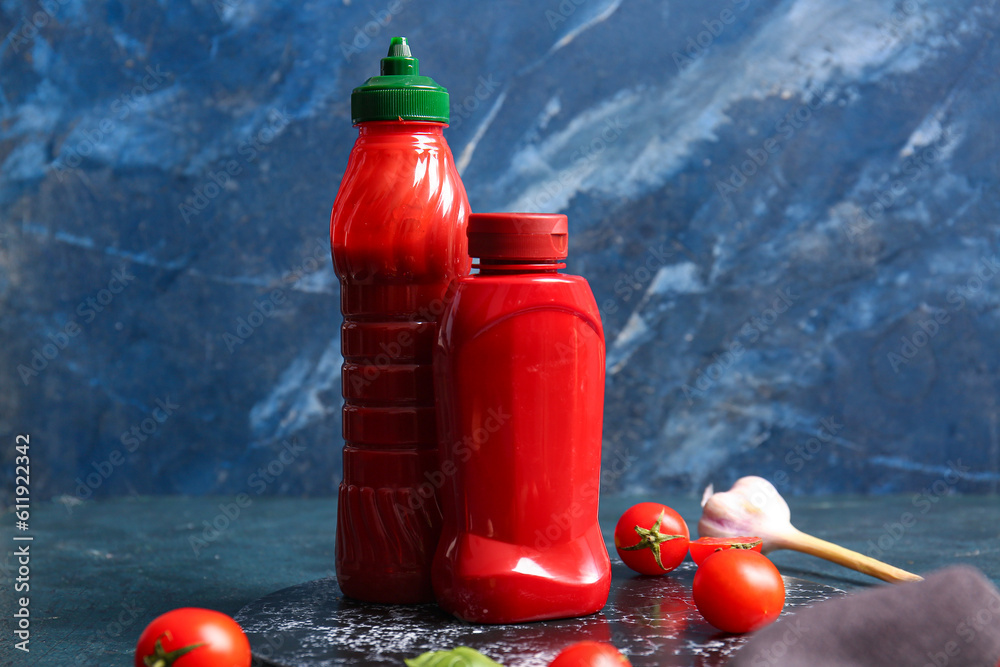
column 398, row 47
column 399, row 92
column 399, row 61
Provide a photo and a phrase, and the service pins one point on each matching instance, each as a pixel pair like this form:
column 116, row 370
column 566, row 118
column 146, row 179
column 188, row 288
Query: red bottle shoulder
column 481, row 302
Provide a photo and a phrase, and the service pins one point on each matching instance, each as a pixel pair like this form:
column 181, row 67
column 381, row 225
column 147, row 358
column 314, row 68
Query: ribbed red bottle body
column 398, row 239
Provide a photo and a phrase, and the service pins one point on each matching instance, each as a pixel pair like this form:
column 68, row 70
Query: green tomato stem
column 652, row 538
column 160, row 658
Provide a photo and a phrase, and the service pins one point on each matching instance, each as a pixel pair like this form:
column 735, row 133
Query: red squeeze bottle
column 397, row 233
column 519, row 370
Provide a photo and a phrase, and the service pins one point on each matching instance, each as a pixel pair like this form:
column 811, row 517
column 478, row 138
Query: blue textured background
column 788, row 212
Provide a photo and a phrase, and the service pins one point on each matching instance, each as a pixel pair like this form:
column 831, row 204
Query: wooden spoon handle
column 799, row 541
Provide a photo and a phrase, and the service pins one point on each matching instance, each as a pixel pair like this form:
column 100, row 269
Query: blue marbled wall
column 788, row 212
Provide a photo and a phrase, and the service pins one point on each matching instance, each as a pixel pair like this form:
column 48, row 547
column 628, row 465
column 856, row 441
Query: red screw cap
column 518, row 236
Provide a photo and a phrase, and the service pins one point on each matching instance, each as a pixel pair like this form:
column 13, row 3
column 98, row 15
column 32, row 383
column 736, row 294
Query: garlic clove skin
column 754, row 507
column 751, row 507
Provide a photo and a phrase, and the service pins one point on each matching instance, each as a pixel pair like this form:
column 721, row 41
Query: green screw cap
column 399, row 92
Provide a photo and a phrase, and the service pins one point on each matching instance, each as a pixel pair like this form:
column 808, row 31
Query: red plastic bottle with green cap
column 398, row 238
column 519, row 369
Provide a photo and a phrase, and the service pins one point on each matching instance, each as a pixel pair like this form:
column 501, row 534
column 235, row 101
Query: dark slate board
column 651, row 619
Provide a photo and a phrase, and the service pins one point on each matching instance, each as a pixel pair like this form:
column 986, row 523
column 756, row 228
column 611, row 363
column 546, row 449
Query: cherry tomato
column 590, row 654
column 651, row 538
column 738, row 590
column 191, row 637
column 703, row 546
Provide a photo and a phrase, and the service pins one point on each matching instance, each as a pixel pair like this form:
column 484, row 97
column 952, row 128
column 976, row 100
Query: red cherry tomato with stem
column 651, row 538
column 590, row 654
column 192, row 637
column 701, row 548
column 738, row 591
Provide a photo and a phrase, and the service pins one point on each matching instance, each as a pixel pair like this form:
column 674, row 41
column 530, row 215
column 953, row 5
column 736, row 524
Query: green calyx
column 399, row 92
column 748, row 546
column 162, row 658
column 652, row 538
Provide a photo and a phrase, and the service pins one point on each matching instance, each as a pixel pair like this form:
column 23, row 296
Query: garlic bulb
column 754, row 507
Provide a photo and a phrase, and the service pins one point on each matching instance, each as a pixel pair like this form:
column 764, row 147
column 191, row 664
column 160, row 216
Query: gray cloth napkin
column 951, row 619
